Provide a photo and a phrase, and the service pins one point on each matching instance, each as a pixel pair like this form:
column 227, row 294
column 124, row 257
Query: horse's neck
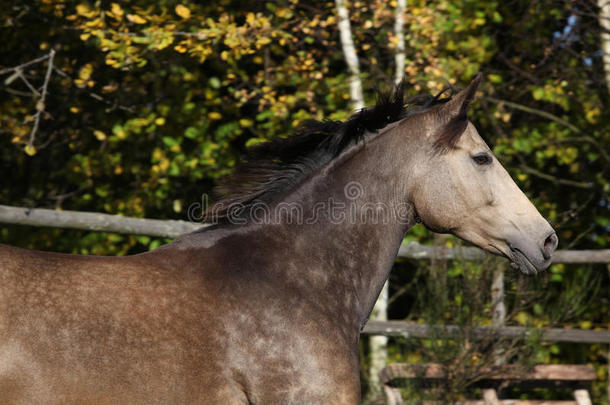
column 357, row 250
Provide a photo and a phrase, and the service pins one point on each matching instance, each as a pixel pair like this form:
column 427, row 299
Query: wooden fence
column 171, row 229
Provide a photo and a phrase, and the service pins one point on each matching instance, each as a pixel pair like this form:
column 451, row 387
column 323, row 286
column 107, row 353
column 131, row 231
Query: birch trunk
column 379, row 344
column 499, row 308
column 351, row 58
column 399, row 23
column 604, row 23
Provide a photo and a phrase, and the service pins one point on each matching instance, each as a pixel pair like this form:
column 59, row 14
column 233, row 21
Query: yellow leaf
column 109, row 88
column 116, row 9
column 522, row 318
column 214, row 115
column 585, row 324
column 263, row 41
column 177, row 206
column 164, row 164
column 180, row 48
column 30, row 150
column 160, row 121
column 250, row 18
column 82, row 9
column 134, row 18
column 284, row 13
column 85, row 72
column 183, row 11
column 99, row 135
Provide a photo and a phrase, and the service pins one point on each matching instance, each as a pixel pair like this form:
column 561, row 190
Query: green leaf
column 169, row 141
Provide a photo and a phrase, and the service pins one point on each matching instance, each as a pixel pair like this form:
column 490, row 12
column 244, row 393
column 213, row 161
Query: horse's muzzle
column 531, row 258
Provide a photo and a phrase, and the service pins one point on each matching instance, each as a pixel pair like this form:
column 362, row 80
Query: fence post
column 379, row 344
column 498, row 307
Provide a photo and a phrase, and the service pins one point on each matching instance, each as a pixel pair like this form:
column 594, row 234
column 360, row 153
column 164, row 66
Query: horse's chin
column 519, row 261
column 528, row 261
column 524, row 266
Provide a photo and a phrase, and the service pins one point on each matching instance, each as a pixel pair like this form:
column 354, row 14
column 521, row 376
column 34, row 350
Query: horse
column 267, row 305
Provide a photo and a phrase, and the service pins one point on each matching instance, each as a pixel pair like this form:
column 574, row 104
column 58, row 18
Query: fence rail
column 171, row 228
column 422, row 331
column 91, row 221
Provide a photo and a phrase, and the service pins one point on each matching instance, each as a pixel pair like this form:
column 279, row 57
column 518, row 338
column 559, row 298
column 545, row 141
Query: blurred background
column 139, row 108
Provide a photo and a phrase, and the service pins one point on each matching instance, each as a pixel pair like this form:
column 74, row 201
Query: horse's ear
column 459, row 104
column 453, row 119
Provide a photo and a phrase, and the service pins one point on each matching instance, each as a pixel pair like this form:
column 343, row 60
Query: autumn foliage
column 147, row 104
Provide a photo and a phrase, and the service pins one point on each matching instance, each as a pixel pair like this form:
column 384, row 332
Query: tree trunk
column 604, row 23
column 399, row 23
column 379, row 344
column 351, row 58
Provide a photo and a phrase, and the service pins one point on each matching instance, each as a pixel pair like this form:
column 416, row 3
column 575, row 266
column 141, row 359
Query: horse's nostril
column 550, row 244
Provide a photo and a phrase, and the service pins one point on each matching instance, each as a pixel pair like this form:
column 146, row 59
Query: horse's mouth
column 518, row 260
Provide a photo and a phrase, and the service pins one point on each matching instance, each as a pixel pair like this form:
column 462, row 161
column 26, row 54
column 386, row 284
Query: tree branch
column 535, row 111
column 24, row 65
column 40, row 105
column 554, row 179
column 552, row 117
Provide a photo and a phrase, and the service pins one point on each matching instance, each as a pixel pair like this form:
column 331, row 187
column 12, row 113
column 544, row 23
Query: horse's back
column 196, row 321
column 103, row 330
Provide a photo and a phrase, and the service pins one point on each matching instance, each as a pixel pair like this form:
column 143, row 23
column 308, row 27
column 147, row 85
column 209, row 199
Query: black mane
column 274, row 167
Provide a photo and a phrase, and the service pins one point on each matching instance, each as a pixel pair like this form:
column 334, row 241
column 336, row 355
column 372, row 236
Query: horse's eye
column 482, row 159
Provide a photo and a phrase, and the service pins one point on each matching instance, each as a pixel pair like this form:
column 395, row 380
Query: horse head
column 462, row 189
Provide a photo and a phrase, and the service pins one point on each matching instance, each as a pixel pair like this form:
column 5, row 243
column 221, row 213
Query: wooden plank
column 534, row 402
column 502, row 402
column 490, row 397
column 424, row 252
column 392, row 395
column 422, row 331
column 401, row 370
column 543, row 372
column 93, row 221
column 582, row 256
column 417, row 251
column 582, row 397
